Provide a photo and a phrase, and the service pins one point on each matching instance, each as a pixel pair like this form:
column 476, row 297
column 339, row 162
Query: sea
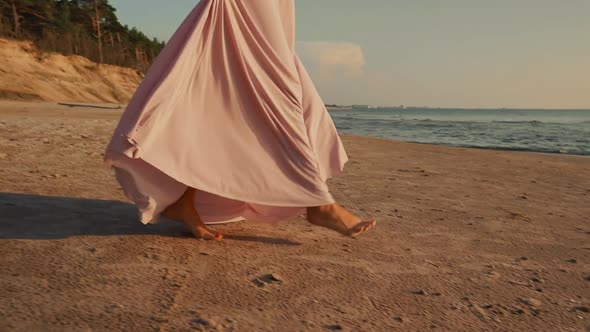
column 546, row 131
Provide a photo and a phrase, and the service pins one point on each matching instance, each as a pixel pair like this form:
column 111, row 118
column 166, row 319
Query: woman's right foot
column 338, row 219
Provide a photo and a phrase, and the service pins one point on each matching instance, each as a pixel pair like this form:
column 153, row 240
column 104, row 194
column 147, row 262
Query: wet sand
column 467, row 240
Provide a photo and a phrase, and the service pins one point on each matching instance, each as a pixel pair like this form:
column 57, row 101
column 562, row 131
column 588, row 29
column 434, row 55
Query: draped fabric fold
column 228, row 108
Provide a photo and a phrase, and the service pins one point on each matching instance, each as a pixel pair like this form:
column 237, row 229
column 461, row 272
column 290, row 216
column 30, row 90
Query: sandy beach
column 467, row 240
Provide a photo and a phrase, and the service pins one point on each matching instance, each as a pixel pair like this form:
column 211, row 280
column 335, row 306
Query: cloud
column 329, row 56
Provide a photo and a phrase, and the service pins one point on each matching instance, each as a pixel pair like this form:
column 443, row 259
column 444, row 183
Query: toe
column 212, row 236
column 209, row 236
column 362, row 227
column 205, row 234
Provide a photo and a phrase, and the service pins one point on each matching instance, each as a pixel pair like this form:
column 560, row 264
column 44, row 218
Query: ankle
column 322, row 209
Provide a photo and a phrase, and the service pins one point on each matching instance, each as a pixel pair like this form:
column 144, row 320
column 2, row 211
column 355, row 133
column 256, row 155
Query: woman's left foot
column 184, row 211
column 200, row 231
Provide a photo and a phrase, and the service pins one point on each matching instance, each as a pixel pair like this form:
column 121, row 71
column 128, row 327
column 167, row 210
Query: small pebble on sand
column 275, row 277
column 530, row 302
column 335, row 327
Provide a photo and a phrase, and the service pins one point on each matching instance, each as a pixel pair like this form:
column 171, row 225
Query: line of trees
column 89, row 28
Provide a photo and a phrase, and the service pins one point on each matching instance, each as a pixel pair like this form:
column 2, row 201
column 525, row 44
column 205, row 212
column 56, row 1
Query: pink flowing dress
column 227, row 108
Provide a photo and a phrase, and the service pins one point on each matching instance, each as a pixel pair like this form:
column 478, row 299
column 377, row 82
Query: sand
column 28, row 74
column 468, row 240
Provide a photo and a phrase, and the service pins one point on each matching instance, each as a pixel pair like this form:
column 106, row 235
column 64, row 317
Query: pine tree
column 16, row 17
column 88, row 28
column 2, row 5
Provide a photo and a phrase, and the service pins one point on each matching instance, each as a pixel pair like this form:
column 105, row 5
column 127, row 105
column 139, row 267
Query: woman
column 227, row 125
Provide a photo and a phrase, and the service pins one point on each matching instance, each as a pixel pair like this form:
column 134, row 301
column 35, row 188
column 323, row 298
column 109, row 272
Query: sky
column 436, row 53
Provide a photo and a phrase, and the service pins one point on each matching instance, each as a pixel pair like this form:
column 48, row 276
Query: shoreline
column 84, row 110
column 501, row 149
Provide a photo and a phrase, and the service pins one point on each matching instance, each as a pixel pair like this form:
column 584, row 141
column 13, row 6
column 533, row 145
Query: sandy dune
column 27, row 74
column 468, row 240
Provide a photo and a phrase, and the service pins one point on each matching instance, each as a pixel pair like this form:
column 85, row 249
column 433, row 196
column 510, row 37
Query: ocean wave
column 457, row 122
column 517, row 149
column 524, row 122
column 532, row 122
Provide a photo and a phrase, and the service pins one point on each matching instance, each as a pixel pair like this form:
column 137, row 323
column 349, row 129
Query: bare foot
column 184, row 211
column 200, row 231
column 338, row 219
